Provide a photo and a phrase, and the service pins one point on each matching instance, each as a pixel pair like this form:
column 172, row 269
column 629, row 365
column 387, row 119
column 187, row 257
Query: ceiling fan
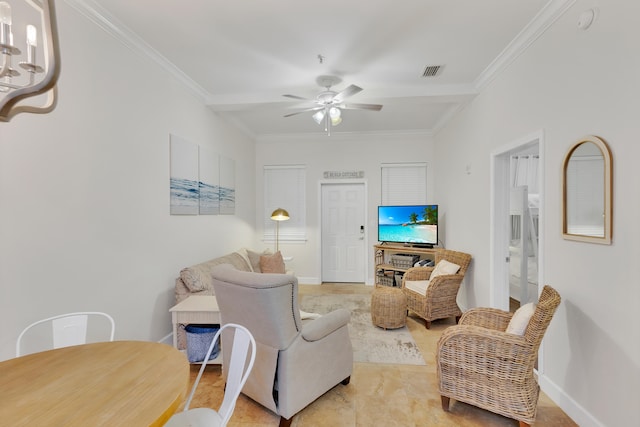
column 330, row 103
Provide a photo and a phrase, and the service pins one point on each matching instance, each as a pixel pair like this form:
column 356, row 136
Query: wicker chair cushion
column 443, row 268
column 518, row 323
column 417, row 286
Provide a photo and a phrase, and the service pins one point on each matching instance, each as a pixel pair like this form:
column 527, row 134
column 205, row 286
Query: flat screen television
column 415, row 225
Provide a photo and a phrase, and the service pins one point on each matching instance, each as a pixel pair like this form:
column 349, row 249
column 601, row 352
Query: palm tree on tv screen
column 430, row 215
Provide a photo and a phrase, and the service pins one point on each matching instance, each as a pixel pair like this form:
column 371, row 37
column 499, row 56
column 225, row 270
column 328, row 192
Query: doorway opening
column 517, row 206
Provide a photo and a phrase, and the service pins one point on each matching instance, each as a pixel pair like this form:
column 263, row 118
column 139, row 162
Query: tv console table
column 385, row 272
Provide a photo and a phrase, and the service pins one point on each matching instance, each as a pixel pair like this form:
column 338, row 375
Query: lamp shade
column 335, row 115
column 319, row 116
column 280, row 215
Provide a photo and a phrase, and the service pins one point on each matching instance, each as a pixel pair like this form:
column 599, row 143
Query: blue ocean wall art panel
column 201, row 181
column 209, row 182
column 227, row 186
column 184, row 186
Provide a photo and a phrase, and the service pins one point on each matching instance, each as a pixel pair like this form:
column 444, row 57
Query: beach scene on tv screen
column 411, row 224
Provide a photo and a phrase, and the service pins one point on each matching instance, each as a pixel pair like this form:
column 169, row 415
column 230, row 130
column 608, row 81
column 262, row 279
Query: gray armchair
column 295, row 363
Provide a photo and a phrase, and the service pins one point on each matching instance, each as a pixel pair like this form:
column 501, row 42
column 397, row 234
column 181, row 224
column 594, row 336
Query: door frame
column 499, row 214
column 365, row 252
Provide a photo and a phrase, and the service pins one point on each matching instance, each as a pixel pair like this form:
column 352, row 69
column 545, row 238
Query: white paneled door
column 343, row 233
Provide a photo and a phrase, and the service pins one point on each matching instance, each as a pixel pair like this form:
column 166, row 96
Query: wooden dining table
column 119, row 383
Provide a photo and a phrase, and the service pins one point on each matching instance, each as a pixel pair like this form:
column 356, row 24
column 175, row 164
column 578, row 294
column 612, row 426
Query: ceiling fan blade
column 297, row 97
column 350, row 91
column 304, row 111
column 374, row 107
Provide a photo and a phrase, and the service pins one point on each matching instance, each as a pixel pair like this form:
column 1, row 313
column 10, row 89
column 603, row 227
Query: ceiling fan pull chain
column 327, row 125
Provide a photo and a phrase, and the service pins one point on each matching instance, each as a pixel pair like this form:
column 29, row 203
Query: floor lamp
column 279, row 215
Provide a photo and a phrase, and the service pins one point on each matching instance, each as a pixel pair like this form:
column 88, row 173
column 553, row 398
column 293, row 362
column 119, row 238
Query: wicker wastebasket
column 388, row 307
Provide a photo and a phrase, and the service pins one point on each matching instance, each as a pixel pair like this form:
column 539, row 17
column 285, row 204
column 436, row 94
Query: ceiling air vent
column 431, row 70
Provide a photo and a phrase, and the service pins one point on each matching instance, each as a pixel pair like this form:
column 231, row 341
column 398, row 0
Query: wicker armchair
column 480, row 364
column 440, row 299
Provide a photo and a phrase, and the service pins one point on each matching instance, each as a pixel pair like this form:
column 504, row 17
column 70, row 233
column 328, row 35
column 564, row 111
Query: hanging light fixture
column 329, row 103
column 33, row 21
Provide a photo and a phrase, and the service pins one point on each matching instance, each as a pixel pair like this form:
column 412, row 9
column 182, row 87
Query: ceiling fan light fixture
column 318, row 117
column 329, row 103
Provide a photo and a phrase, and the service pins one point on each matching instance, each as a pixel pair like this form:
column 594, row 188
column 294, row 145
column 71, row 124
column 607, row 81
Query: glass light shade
column 318, row 117
column 32, row 36
column 5, row 13
column 335, row 114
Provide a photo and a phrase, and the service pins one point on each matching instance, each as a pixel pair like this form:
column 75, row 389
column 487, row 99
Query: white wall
column 84, row 192
column 338, row 153
column 569, row 83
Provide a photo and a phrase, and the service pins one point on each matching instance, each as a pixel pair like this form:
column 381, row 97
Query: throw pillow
column 244, row 253
column 254, row 258
column 272, row 263
column 194, row 278
column 443, row 268
column 518, row 323
column 417, row 286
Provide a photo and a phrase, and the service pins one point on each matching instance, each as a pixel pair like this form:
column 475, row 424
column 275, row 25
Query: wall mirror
column 587, row 186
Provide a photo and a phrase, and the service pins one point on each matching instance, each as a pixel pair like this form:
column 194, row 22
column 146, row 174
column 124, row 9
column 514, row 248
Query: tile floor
column 378, row 395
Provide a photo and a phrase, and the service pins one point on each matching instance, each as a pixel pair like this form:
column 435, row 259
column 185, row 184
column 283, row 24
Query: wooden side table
column 195, row 309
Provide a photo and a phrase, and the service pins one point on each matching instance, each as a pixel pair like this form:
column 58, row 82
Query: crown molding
column 447, row 116
column 101, row 17
column 538, row 25
column 553, row 10
column 340, row 136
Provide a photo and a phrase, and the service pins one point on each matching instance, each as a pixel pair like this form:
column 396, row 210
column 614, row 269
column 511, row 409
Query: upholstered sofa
column 197, row 279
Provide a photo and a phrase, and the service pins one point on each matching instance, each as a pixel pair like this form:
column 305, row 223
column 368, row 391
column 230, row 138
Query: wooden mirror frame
column 608, row 190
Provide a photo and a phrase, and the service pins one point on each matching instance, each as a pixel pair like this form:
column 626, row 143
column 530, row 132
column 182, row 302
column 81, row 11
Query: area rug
column 370, row 343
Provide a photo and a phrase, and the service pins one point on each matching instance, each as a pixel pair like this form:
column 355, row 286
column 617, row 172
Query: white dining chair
column 244, row 346
column 67, row 329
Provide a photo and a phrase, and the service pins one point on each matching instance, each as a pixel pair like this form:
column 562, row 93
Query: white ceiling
column 241, row 56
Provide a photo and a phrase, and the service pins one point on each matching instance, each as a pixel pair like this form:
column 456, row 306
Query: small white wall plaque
column 343, row 174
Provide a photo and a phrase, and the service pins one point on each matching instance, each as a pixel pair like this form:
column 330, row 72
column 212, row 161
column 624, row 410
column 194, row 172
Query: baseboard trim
column 318, row 281
column 577, row 413
column 309, row 280
column 168, row 339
